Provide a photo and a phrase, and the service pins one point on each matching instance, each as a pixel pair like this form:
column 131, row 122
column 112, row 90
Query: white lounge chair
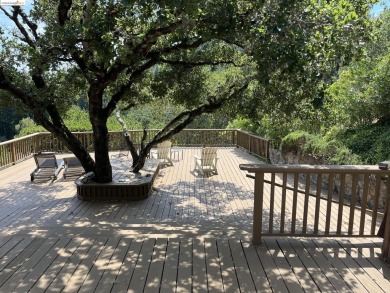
column 164, row 152
column 207, row 162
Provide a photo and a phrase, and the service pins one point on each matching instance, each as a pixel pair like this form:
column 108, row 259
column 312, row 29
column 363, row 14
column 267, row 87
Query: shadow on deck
column 192, row 234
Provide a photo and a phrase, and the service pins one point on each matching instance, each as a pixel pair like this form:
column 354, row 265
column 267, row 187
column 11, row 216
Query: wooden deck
column 192, row 235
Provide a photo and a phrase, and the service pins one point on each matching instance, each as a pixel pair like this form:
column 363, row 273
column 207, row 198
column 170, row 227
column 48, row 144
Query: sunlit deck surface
column 191, row 234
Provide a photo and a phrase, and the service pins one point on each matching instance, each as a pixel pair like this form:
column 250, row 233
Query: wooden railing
column 254, row 144
column 16, row 150
column 289, row 200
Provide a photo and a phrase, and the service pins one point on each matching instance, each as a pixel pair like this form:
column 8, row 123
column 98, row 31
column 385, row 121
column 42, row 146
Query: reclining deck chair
column 164, row 152
column 207, row 162
column 48, row 167
column 73, row 167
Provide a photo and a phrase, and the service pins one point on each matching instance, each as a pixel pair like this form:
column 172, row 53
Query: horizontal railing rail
column 255, row 145
column 290, row 200
column 16, row 150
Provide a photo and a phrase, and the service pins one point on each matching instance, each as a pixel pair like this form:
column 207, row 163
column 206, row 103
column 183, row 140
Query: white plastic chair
column 164, row 152
column 207, row 162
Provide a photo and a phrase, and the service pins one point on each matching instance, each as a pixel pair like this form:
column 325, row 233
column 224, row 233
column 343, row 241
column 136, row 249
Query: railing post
column 250, row 144
column 13, row 153
column 258, row 208
column 386, row 236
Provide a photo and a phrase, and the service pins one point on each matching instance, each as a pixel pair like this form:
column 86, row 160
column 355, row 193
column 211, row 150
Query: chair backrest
column 164, row 150
column 46, row 160
column 209, row 154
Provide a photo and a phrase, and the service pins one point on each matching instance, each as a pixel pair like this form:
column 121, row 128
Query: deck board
column 127, row 268
column 305, row 278
column 349, row 277
column 290, row 279
column 243, row 272
column 40, row 268
column 329, row 271
column 193, row 234
column 140, row 274
column 170, row 272
column 71, row 264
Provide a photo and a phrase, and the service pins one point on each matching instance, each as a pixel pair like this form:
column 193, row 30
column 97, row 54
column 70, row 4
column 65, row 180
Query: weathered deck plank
column 191, row 235
column 127, row 268
column 141, row 270
column 329, row 271
column 184, row 274
column 56, row 265
column 40, row 268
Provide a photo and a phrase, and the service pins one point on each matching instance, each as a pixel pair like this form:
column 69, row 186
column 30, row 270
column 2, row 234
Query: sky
column 379, row 7
column 4, row 20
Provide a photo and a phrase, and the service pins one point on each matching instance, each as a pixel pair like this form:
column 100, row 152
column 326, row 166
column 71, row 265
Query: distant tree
column 361, row 95
column 8, row 119
column 201, row 54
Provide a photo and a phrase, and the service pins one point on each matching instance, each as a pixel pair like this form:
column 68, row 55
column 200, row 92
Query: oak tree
column 200, row 54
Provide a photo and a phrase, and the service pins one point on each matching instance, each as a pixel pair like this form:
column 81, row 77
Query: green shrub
column 295, row 142
column 344, row 156
column 27, row 126
column 370, row 142
column 329, row 152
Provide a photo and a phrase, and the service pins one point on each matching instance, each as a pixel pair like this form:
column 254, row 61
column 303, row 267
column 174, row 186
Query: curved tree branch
column 152, row 36
column 14, row 17
column 111, row 105
column 183, row 119
column 195, row 63
column 33, row 26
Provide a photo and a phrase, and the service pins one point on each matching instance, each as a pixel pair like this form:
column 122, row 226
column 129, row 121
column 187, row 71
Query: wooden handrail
column 18, row 149
column 255, row 145
column 328, row 217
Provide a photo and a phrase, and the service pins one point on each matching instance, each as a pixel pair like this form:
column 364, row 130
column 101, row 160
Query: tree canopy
column 361, row 94
column 201, row 55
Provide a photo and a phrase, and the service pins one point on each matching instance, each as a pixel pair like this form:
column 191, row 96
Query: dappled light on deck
column 193, row 233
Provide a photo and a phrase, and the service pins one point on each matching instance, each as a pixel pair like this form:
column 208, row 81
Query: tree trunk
column 139, row 164
column 98, row 118
column 132, row 149
column 75, row 146
column 139, row 160
column 103, row 169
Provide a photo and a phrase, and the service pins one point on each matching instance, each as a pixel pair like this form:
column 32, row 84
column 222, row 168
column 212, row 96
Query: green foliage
column 370, row 142
column 244, row 124
column 77, row 121
column 8, row 119
column 276, row 126
column 138, row 118
column 257, row 57
column 361, row 94
column 329, row 152
column 218, row 120
column 27, row 126
column 295, row 142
